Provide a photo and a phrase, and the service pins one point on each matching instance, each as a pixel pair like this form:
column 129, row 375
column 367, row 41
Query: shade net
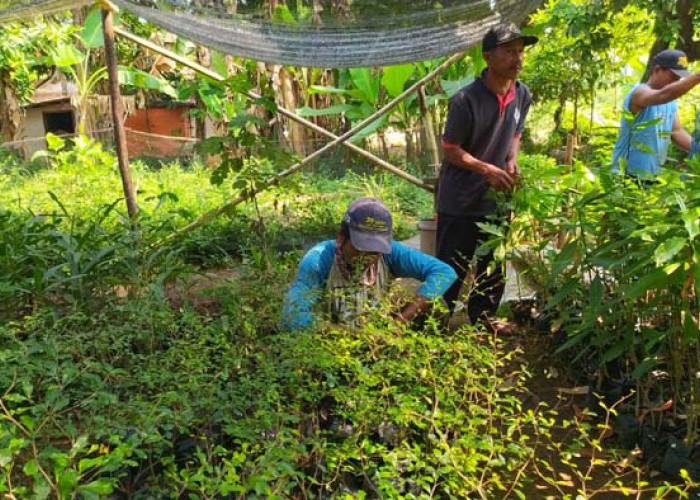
column 323, row 33
column 19, row 10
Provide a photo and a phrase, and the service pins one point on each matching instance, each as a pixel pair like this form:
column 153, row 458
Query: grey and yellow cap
column 674, row 60
column 370, row 225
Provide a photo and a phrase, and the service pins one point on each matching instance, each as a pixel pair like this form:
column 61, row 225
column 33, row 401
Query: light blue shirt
column 315, row 267
column 642, row 143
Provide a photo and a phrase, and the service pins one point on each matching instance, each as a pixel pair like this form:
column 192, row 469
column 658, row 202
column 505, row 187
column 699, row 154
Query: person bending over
column 350, row 274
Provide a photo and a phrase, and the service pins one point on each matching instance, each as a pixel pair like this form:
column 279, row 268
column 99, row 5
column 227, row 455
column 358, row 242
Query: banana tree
column 358, row 92
column 75, row 63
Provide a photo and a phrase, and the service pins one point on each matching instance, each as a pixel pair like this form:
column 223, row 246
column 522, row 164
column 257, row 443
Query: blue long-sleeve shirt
column 315, row 267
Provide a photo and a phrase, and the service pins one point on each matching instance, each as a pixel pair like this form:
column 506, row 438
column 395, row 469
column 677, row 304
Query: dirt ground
column 608, row 473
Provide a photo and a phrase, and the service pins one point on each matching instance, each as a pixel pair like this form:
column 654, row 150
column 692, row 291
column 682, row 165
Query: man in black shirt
column 481, row 141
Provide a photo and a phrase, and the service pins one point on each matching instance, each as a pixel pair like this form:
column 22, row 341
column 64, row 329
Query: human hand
column 498, row 179
column 411, row 310
column 512, row 169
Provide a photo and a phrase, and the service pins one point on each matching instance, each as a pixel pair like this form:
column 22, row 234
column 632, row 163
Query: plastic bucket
column 428, row 236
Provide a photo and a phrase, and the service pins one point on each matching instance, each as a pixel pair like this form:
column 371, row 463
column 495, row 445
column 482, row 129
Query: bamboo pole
column 117, row 109
column 283, row 111
column 340, row 139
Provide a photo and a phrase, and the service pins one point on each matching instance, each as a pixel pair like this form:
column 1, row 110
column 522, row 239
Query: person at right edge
column 651, row 120
column 481, row 140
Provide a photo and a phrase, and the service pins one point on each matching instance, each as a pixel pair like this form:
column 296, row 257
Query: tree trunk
column 575, row 121
column 11, row 115
column 430, row 140
column 409, row 144
column 592, row 111
column 288, row 95
column 660, row 43
column 559, row 114
column 686, row 12
column 317, row 8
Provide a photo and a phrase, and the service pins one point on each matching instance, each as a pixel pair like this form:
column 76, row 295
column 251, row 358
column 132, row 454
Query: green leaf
column 54, row 142
column 616, row 351
column 690, row 329
column 564, row 258
column 370, row 129
column 92, row 35
column 655, row 279
column 668, row 249
column 394, row 78
column 572, row 341
column 692, row 224
column 647, row 124
column 101, row 486
column 41, row 489
column 643, row 368
column 643, row 147
column 143, row 80
column 596, row 292
column 332, row 110
column 283, row 14
column 367, row 83
column 320, row 89
column 218, row 63
column 65, row 56
column 31, row 468
column 67, row 481
column 451, row 87
column 53, row 196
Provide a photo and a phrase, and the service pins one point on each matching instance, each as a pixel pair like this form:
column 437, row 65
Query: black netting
column 322, row 33
column 18, row 10
column 361, row 34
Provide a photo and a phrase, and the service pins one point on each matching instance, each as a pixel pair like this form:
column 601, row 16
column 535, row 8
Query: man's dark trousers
column 457, row 240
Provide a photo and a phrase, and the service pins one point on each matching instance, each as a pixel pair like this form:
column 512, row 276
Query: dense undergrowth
column 110, row 389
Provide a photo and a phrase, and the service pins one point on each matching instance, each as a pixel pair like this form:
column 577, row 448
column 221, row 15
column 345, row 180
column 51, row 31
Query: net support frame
column 212, row 214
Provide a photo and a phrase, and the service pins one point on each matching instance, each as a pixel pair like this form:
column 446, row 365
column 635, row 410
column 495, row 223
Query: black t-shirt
column 475, row 122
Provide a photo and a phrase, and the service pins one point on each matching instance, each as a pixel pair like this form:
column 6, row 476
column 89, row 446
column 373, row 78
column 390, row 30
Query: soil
column 614, row 472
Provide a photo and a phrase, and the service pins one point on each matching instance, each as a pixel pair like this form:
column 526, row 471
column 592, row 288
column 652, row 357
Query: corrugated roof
column 56, row 89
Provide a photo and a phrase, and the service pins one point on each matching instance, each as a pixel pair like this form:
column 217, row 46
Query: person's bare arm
column 413, row 309
column 679, row 135
column 497, row 178
column 644, row 96
column 512, row 158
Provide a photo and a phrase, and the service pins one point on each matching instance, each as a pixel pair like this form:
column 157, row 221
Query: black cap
column 672, row 59
column 504, row 33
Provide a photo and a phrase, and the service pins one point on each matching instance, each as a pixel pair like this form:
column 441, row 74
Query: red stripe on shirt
column 504, row 100
column 449, row 145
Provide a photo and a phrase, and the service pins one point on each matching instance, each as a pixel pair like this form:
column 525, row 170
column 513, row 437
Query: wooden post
column 117, row 111
column 570, row 145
